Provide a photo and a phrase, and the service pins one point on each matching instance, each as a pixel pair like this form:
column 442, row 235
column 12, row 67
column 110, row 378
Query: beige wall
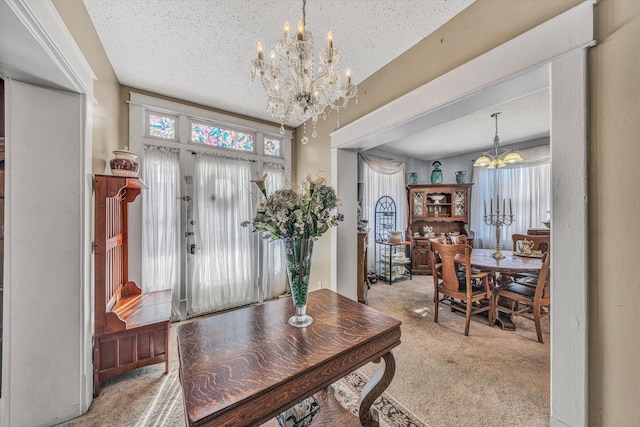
column 468, row 35
column 614, row 178
column 106, row 110
column 614, row 209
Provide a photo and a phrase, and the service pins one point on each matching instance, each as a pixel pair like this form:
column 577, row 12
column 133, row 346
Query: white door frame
column 62, row 66
column 560, row 44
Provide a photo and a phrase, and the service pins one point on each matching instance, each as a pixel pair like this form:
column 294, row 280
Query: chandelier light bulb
column 330, row 40
column 300, row 30
column 287, row 29
column 260, row 51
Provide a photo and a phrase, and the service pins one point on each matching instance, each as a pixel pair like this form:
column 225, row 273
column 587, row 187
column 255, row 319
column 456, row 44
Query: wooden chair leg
column 468, row 318
column 437, row 307
column 536, row 319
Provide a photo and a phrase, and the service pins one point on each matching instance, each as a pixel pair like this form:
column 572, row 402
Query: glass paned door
column 222, row 265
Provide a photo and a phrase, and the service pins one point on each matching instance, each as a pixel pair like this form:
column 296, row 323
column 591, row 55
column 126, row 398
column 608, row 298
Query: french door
column 222, row 267
column 197, row 197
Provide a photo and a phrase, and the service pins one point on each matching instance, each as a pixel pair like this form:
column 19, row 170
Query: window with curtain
column 274, row 270
column 224, row 272
column 527, row 184
column 161, row 223
column 382, row 177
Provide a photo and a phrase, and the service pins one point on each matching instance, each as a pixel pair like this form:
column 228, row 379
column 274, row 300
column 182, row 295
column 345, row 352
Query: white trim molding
column 46, row 26
column 558, row 36
column 559, row 46
column 44, row 29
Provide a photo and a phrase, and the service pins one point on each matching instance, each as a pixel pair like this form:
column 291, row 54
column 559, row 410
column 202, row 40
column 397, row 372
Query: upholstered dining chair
column 468, row 293
column 519, row 298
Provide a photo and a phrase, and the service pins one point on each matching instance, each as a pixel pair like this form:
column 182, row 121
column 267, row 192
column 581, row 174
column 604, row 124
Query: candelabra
column 498, row 220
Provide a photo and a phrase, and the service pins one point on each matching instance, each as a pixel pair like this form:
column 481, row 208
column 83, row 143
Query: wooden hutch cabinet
column 444, row 207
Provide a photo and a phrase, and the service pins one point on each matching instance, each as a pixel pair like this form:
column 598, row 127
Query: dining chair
column 472, row 290
column 521, row 299
column 541, row 243
column 434, row 259
column 460, row 239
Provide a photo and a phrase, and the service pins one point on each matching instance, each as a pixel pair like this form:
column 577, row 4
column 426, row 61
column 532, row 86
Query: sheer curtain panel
column 527, row 184
column 224, row 266
column 274, row 269
column 161, row 223
column 382, row 177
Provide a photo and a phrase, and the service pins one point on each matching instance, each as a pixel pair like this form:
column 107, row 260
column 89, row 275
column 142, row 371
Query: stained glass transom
column 162, row 126
column 272, row 147
column 223, row 138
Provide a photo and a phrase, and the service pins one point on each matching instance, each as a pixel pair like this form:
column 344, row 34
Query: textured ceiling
column 201, row 50
column 521, row 119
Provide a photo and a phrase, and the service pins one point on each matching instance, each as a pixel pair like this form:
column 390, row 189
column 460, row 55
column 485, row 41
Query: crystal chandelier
column 290, row 83
column 497, row 157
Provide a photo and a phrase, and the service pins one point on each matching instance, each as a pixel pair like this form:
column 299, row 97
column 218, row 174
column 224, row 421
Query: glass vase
column 298, row 255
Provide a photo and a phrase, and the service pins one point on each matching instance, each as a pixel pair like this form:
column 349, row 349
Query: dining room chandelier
column 497, row 157
column 292, row 87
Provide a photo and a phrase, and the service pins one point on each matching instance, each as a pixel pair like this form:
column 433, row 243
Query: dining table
column 502, row 269
column 511, row 263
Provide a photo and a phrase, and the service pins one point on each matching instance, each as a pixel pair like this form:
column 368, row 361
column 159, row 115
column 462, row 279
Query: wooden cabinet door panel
column 420, row 259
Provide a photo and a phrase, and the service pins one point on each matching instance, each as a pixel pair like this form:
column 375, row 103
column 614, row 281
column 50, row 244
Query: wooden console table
column 244, row 367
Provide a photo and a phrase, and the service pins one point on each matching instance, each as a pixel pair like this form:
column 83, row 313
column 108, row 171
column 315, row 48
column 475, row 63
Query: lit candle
column 300, row 30
column 260, row 51
column 510, row 208
column 273, row 59
column 348, row 75
column 330, row 40
column 287, row 29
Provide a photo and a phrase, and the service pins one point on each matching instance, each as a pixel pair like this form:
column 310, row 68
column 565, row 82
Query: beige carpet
column 491, row 378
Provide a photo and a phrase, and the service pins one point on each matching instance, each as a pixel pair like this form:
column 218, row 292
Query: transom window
column 272, row 146
column 162, row 126
column 220, row 137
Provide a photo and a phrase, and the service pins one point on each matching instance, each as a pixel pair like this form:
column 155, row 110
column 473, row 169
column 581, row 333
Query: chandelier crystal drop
column 292, row 87
column 497, row 157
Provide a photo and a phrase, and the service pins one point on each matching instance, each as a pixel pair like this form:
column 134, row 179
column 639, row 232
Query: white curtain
column 382, row 177
column 225, row 264
column 527, row 184
column 274, row 269
column 161, row 223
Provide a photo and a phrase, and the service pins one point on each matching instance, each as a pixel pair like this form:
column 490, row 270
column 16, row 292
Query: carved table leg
column 374, row 388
